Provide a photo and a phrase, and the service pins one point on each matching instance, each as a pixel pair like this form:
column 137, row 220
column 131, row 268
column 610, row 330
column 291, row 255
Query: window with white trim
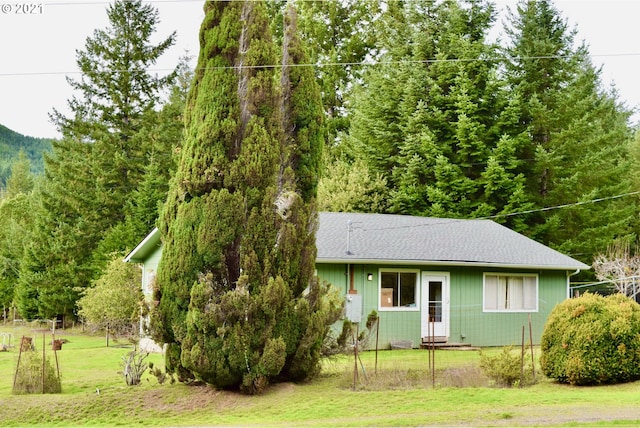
column 510, row 293
column 398, row 289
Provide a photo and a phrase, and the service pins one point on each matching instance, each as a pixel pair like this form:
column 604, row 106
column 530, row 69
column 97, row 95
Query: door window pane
column 435, row 301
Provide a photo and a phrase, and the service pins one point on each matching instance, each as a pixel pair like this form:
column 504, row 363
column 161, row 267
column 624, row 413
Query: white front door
column 435, row 304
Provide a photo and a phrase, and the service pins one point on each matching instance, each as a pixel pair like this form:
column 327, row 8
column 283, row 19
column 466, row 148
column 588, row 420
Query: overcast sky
column 37, row 49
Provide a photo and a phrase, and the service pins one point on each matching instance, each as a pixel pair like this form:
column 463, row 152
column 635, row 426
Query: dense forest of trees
column 461, row 127
column 86, row 208
column 12, row 143
column 393, row 107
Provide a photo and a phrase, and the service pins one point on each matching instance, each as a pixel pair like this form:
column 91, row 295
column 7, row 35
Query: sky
column 38, row 49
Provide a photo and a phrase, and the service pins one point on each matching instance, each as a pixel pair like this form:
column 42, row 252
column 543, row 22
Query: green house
column 446, row 280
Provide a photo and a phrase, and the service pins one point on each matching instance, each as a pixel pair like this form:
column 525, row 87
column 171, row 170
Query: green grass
column 400, row 394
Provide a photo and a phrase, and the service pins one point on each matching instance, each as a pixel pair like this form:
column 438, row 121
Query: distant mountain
column 12, row 142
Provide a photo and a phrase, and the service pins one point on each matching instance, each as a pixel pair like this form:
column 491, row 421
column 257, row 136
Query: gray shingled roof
column 381, row 238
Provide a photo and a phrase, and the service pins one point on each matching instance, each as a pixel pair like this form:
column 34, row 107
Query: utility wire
column 608, row 281
column 496, row 216
column 325, row 64
column 592, row 201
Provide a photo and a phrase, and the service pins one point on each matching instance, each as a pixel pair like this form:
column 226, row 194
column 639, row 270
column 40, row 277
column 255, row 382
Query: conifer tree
column 431, row 116
column 16, row 219
column 238, row 303
column 116, row 93
column 54, row 267
column 100, row 159
column 161, row 134
column 577, row 136
column 338, row 33
column 21, row 179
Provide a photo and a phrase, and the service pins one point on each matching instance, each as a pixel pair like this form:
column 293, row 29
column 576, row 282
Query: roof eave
column 137, row 255
column 348, row 260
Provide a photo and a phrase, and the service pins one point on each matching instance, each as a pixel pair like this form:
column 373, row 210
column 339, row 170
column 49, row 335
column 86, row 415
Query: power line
column 327, row 64
column 608, row 281
column 496, row 216
column 89, row 3
column 592, row 201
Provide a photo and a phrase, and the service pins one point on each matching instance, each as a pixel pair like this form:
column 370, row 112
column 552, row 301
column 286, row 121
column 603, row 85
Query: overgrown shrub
column 29, row 375
column 134, row 366
column 161, row 375
column 508, row 368
column 592, row 340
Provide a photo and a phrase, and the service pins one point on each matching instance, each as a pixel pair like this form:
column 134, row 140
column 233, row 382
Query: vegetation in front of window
column 592, row 340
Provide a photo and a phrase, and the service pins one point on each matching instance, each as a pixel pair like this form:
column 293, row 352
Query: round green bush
column 592, row 340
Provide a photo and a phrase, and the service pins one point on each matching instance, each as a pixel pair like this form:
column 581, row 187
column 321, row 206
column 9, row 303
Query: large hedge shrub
column 592, row 340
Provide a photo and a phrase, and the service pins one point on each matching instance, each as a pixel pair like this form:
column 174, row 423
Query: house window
column 398, row 289
column 510, row 293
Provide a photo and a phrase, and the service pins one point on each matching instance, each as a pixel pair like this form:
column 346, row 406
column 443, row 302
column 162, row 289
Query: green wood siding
column 150, row 268
column 468, row 323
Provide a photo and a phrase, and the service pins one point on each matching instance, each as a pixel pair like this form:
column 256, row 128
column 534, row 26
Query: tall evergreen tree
column 116, row 92
column 16, row 218
column 238, row 303
column 55, row 263
column 100, row 159
column 431, row 116
column 339, row 39
column 577, row 135
column 339, row 35
column 161, row 133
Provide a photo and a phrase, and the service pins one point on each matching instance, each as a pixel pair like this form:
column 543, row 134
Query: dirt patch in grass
column 187, row 398
column 565, row 415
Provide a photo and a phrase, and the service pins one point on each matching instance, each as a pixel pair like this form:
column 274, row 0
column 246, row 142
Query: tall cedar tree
column 238, row 303
column 431, row 116
column 577, row 135
column 99, row 161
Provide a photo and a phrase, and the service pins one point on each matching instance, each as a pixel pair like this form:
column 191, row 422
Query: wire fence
column 630, row 286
